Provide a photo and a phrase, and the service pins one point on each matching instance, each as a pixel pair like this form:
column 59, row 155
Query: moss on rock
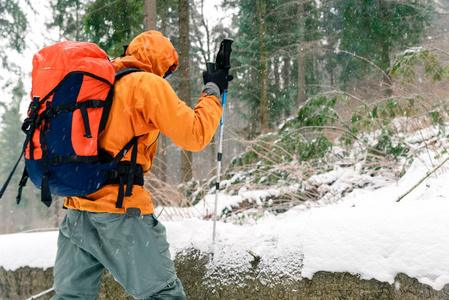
column 24, row 282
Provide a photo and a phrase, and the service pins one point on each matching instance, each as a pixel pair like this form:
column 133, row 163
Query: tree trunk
column 77, row 31
column 164, row 18
column 162, row 138
column 160, row 164
column 261, row 9
column 184, row 81
column 276, row 65
column 301, row 63
column 150, row 13
column 286, row 68
column 385, row 52
column 277, row 74
column 285, row 75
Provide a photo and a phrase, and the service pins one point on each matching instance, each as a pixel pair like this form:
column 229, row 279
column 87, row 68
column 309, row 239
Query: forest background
column 309, row 76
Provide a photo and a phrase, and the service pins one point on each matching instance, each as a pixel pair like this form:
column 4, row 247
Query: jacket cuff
column 211, row 88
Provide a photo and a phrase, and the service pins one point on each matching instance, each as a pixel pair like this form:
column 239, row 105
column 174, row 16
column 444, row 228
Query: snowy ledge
column 368, row 234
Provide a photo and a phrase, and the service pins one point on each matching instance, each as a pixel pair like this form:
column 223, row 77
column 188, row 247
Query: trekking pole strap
column 22, row 183
column 2, row 191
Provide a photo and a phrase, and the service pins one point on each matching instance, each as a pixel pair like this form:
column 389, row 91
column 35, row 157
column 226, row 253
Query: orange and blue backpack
column 72, row 92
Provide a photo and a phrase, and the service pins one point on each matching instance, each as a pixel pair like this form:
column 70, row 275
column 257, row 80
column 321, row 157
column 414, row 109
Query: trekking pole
column 41, row 294
column 219, row 157
column 223, row 61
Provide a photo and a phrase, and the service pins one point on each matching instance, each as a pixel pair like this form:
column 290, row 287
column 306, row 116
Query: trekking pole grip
column 211, row 67
column 223, row 60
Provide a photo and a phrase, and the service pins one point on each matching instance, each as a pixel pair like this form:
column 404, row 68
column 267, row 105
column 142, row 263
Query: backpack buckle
column 49, row 113
column 27, row 123
column 34, row 108
column 55, row 160
column 112, row 174
column 94, row 103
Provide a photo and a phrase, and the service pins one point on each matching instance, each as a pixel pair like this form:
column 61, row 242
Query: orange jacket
column 145, row 104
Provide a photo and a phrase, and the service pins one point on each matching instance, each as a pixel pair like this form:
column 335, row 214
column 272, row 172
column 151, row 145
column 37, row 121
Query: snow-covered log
column 201, row 281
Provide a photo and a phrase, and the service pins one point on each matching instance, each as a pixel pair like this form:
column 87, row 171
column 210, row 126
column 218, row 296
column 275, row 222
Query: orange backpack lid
column 52, row 63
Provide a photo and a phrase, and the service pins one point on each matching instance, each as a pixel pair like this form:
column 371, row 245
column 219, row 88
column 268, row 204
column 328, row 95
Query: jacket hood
column 149, row 51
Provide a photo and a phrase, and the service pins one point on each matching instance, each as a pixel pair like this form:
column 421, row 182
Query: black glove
column 220, row 78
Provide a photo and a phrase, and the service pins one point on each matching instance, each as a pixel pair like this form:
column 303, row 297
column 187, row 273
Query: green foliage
column 374, row 29
column 370, row 129
column 11, row 137
column 13, row 24
column 284, row 28
column 67, row 17
column 438, row 115
column 112, row 24
column 318, row 111
column 387, row 110
column 388, row 145
column 300, row 139
column 308, row 43
column 405, row 65
column 379, row 117
column 316, row 148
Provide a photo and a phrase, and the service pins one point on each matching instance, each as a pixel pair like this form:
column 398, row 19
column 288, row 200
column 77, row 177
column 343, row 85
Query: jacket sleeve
column 157, row 105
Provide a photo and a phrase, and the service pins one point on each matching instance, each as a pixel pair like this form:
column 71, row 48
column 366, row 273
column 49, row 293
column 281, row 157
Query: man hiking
column 127, row 239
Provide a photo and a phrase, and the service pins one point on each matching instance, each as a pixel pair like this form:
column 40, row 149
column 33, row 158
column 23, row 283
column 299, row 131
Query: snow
column 367, row 233
column 35, row 250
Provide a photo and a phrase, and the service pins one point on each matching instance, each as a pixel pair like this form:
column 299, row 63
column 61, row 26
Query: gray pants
column 133, row 249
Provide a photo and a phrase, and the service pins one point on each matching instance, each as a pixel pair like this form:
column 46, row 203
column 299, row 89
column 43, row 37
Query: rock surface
column 203, row 281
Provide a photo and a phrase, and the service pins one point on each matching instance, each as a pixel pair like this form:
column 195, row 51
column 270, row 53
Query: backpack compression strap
column 129, row 172
column 132, row 170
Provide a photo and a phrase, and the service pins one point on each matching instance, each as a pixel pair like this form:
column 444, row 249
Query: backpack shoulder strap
column 132, row 143
column 120, row 73
column 107, row 108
